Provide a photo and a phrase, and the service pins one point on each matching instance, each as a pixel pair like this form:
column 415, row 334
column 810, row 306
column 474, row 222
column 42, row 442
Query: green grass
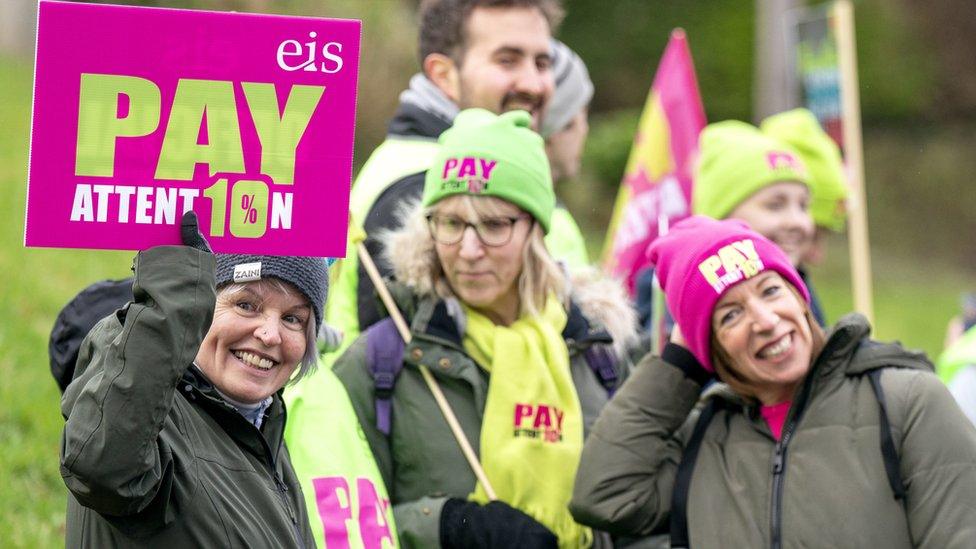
column 913, row 298
column 36, row 284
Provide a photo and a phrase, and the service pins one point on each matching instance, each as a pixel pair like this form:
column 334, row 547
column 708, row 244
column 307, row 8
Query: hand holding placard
column 190, row 233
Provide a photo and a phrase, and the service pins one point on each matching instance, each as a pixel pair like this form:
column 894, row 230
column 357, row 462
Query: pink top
column 775, row 416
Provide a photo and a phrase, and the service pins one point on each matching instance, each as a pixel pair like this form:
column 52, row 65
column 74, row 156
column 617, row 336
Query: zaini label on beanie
column 247, row 272
column 731, row 264
column 470, row 173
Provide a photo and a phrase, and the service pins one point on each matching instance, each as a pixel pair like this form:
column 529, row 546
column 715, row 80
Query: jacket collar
column 840, row 343
column 865, row 354
column 413, row 121
column 849, row 350
column 431, row 102
column 265, row 442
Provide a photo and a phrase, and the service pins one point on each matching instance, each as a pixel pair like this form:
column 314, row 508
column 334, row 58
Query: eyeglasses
column 491, row 231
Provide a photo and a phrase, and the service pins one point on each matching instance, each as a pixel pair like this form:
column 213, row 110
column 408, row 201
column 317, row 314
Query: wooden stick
column 857, row 232
column 435, row 389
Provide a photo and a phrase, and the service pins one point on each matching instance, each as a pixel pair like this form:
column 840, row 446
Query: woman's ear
column 445, row 74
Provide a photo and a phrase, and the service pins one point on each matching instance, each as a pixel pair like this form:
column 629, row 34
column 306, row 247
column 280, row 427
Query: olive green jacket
column 420, row 460
column 834, row 491
column 151, row 454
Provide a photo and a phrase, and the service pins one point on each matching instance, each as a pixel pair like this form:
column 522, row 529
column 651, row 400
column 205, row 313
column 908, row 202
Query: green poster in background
column 817, row 67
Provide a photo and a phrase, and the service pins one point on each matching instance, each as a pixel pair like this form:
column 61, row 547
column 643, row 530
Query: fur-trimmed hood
column 409, row 250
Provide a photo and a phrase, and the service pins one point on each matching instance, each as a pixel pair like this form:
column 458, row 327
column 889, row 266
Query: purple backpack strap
column 384, row 360
column 601, row 359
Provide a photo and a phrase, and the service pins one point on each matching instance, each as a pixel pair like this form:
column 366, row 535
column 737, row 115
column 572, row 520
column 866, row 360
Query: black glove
column 465, row 524
column 190, row 233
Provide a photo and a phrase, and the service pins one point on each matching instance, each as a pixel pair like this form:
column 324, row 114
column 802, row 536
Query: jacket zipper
column 282, row 489
column 779, row 454
column 779, row 462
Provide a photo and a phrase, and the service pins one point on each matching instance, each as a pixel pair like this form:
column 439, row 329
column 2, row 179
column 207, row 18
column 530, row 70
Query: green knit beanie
column 484, row 154
column 735, row 161
column 799, row 128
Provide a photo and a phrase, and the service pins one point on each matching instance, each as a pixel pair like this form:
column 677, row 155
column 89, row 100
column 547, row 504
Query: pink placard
column 142, row 113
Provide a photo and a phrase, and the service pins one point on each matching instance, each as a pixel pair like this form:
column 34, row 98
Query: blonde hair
column 540, row 276
column 310, row 359
column 725, row 367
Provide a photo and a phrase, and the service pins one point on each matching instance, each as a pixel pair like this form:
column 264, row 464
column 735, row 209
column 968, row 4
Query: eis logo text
column 293, row 55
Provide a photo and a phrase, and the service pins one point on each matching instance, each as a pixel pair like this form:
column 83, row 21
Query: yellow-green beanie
column 799, row 128
column 484, row 154
column 735, row 161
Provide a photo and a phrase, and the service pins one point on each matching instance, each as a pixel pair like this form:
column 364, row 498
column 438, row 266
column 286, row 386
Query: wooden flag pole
column 857, row 231
column 435, row 389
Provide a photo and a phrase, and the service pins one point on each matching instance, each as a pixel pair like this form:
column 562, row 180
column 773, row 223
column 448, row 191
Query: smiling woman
column 812, row 442
column 500, row 268
column 174, row 424
column 763, row 339
column 262, row 331
column 524, row 362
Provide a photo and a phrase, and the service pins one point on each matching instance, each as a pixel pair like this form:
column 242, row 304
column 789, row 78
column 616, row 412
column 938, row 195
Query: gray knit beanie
column 308, row 274
column 573, row 88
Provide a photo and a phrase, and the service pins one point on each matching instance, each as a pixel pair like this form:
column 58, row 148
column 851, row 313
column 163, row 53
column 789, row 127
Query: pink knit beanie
column 699, row 260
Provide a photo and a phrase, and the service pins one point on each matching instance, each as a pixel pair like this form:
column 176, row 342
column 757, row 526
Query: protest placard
column 817, row 72
column 826, row 67
column 141, row 114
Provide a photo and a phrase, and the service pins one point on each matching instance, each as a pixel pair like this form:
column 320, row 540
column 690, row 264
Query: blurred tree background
column 918, row 101
column 917, row 76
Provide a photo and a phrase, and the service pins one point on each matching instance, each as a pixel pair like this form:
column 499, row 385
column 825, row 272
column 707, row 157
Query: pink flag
column 656, row 187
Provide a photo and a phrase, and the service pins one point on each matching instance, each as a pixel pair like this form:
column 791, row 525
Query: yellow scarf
column 532, row 432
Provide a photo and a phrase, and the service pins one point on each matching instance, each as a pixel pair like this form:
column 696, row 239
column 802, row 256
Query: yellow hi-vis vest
column 957, row 356
column 395, row 158
column 348, row 504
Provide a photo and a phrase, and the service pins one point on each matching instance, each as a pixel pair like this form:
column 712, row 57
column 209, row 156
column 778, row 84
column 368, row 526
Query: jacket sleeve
column 112, row 459
column 627, row 469
column 418, row 521
column 938, row 460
